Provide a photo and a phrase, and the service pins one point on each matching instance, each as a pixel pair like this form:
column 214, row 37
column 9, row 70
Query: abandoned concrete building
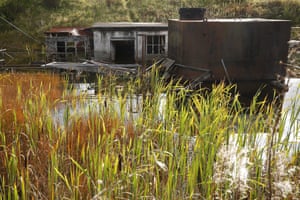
column 120, row 42
column 248, row 52
column 67, row 44
column 129, row 42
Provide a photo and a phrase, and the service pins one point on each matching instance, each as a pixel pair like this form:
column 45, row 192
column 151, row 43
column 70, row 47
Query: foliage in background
column 37, row 16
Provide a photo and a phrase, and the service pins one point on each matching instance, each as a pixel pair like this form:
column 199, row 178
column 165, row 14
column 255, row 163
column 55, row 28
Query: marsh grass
column 178, row 145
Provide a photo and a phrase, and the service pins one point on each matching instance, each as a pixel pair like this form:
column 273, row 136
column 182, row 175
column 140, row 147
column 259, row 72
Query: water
column 292, row 103
column 237, row 159
column 290, row 110
column 290, row 134
column 100, row 103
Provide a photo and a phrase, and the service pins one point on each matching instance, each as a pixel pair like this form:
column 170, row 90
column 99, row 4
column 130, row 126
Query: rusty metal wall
column 251, row 49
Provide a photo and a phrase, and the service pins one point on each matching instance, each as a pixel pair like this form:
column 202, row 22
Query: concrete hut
column 126, row 42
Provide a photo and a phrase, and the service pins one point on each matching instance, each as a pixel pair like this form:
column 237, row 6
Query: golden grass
column 16, row 90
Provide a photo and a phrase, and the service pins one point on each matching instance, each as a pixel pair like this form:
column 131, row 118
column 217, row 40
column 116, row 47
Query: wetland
column 68, row 140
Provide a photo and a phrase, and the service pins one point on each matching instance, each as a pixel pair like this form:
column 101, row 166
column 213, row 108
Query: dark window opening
column 61, row 51
column 61, row 47
column 156, row 44
column 124, row 51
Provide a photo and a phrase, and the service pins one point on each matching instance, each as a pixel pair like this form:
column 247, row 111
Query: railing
column 69, row 56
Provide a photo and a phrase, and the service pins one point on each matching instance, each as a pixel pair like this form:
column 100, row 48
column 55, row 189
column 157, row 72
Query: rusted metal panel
column 250, row 49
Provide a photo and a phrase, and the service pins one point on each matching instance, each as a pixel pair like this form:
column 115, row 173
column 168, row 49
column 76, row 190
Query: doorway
column 124, row 51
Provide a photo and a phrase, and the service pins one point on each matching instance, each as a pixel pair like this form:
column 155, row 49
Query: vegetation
column 169, row 145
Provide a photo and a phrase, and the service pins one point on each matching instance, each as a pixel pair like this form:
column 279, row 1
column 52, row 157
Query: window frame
column 155, row 44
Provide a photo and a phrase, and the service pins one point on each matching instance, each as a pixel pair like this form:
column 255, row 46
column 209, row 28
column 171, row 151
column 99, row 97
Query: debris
column 294, row 43
column 157, row 63
column 198, row 81
column 95, row 67
column 226, row 72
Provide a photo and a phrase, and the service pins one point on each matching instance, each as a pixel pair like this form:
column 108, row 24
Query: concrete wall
column 104, row 48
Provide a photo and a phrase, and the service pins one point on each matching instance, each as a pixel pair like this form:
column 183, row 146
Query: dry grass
column 18, row 93
column 17, row 87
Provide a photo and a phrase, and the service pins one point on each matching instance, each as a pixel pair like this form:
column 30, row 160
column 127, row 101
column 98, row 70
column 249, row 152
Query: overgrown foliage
column 164, row 144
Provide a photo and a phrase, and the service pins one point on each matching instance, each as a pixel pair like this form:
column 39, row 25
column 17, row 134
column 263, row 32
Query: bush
column 281, row 10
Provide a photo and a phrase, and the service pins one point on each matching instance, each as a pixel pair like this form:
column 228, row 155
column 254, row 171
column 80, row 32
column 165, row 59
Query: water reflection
column 89, row 100
column 81, row 108
column 133, row 106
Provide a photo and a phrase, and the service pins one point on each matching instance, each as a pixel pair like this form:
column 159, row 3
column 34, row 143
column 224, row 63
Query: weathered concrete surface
column 107, row 36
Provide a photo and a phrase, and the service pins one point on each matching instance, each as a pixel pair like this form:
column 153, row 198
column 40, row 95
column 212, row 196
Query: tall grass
column 178, row 144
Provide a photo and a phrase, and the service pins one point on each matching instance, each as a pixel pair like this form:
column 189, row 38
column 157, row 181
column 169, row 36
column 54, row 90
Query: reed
column 164, row 143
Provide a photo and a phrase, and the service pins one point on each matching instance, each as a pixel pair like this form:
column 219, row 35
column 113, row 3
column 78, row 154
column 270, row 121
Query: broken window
column 156, row 44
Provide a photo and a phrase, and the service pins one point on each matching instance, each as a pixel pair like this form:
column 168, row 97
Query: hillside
column 36, row 16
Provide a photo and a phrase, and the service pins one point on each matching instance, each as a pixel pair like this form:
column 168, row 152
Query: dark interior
column 61, row 49
column 124, row 51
